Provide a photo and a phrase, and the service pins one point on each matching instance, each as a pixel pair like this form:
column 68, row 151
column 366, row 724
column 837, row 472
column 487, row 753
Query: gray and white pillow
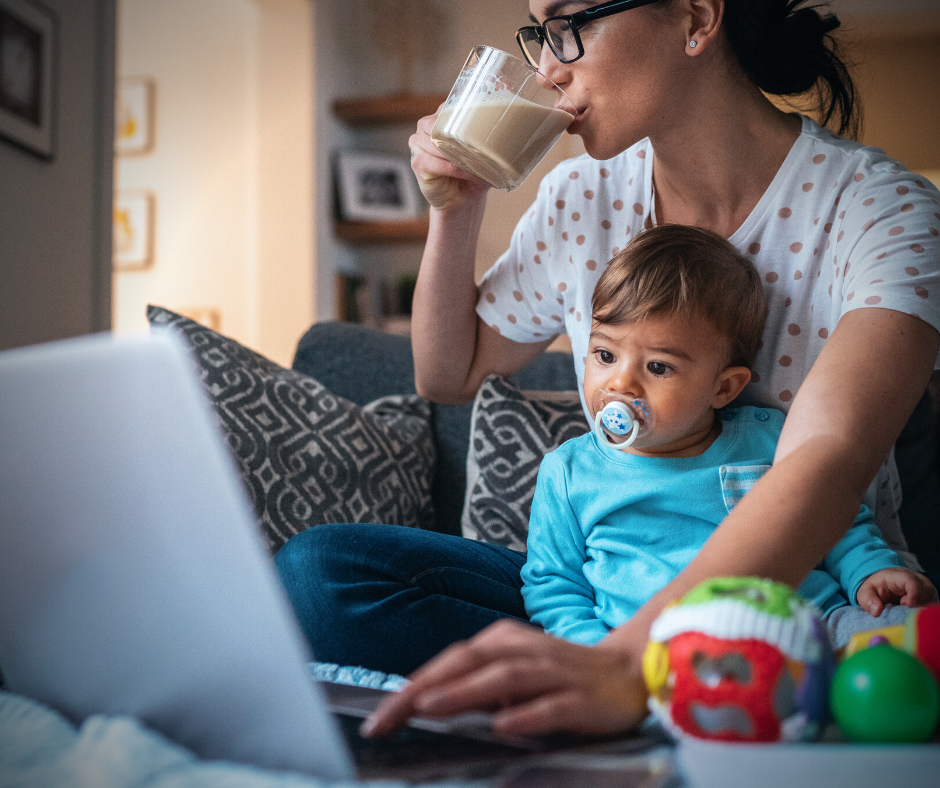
column 510, row 431
column 306, row 455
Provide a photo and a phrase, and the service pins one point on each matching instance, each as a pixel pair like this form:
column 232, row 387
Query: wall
column 231, row 168
column 896, row 57
column 898, row 82
column 55, row 216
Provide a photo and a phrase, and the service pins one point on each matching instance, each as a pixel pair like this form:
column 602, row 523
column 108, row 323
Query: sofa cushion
column 361, row 364
column 511, row 430
column 306, row 455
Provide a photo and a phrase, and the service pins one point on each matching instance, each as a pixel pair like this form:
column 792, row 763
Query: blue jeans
column 389, row 598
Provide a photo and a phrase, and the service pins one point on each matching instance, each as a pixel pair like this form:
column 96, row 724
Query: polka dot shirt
column 841, row 227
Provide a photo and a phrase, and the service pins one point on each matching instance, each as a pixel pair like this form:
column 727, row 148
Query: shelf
column 406, row 231
column 378, row 110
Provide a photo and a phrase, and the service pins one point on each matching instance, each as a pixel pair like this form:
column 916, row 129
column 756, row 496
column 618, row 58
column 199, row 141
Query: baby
column 619, row 512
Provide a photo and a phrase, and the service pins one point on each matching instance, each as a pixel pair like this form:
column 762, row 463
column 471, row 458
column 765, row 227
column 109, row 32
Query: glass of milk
column 501, row 118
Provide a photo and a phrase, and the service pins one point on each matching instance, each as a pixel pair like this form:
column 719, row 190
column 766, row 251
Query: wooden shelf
column 378, row 110
column 403, row 108
column 406, row 231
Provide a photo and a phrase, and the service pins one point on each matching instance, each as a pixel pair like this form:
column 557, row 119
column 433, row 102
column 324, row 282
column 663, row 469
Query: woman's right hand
column 534, row 684
column 444, row 185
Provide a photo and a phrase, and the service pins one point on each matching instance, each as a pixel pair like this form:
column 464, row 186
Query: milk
column 499, row 137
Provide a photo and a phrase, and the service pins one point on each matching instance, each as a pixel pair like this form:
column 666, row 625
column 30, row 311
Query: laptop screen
column 133, row 579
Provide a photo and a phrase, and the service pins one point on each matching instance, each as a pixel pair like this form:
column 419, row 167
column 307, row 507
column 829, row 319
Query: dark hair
column 673, row 269
column 786, row 50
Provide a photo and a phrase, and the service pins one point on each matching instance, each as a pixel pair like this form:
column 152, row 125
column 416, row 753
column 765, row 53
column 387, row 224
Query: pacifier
column 620, row 420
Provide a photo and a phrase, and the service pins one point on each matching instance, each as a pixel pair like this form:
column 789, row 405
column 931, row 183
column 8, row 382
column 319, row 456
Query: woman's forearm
column 454, row 350
column 444, row 310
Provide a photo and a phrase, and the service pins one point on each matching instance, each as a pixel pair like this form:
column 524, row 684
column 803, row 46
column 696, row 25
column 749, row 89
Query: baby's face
column 674, row 363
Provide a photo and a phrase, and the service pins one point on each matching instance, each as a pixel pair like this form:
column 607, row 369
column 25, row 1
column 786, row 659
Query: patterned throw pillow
column 307, row 456
column 510, row 432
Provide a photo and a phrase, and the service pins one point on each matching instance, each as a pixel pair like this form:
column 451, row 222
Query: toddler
column 619, row 512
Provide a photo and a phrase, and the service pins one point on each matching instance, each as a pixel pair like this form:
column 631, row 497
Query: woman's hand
column 444, row 185
column 534, row 683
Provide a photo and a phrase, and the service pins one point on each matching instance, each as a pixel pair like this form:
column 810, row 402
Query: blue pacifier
column 619, row 420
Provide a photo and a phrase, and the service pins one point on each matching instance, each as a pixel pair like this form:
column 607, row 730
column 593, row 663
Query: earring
column 693, row 43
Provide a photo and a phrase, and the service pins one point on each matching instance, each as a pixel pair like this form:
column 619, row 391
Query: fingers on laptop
column 533, row 682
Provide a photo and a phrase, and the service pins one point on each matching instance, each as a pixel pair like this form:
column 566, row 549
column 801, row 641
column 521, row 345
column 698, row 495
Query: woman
column 676, row 129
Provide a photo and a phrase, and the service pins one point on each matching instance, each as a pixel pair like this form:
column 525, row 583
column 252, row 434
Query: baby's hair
column 677, row 270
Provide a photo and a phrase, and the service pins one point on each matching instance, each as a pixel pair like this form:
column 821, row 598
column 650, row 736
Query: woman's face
column 628, row 83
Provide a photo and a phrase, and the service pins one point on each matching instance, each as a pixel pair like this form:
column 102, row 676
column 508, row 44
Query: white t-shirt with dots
column 841, row 227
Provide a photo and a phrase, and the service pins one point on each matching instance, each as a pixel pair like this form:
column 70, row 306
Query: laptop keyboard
column 411, row 751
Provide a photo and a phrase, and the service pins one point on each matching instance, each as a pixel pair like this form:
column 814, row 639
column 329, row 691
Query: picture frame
column 133, row 230
column 134, row 110
column 28, row 62
column 208, row 316
column 376, row 187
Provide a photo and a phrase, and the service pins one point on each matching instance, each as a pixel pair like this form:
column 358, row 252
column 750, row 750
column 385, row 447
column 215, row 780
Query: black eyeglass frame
column 575, row 21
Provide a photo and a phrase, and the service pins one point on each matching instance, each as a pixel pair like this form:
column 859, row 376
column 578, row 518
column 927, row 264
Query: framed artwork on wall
column 28, row 61
column 134, row 116
column 208, row 316
column 374, row 187
column 133, row 230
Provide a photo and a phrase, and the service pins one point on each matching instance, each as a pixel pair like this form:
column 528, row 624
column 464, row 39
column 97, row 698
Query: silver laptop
column 134, row 580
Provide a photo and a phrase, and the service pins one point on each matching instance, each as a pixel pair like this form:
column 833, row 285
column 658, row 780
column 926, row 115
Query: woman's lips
column 575, row 125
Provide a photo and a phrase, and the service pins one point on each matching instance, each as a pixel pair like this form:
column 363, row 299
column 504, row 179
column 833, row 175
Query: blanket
column 41, row 749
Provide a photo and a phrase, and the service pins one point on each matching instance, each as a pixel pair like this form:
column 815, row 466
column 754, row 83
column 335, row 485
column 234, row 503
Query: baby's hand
column 894, row 586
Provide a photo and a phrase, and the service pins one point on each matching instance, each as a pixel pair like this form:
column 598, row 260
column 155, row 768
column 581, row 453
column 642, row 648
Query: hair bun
column 795, row 53
column 786, row 49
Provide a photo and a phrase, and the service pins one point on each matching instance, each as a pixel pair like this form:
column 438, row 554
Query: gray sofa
column 362, row 364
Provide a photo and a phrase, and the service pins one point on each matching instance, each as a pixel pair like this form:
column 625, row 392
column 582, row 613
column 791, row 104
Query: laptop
column 134, row 579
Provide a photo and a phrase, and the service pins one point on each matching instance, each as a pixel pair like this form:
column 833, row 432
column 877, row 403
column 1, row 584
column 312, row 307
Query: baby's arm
column 895, row 586
column 557, row 595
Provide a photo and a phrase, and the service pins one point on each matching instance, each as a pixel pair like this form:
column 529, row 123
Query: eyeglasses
column 561, row 32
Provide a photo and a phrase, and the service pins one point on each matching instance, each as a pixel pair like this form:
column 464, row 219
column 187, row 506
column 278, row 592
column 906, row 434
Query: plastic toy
column 620, row 420
column 740, row 659
column 922, row 637
column 873, row 637
column 883, row 694
column 919, row 635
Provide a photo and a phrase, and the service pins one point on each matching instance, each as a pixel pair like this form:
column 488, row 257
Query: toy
column 740, row 659
column 919, row 635
column 884, row 694
column 873, row 637
column 922, row 637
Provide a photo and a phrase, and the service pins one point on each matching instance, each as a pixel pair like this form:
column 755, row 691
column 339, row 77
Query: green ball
column 883, row 694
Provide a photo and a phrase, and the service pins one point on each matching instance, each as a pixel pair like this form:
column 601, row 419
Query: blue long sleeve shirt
column 608, row 529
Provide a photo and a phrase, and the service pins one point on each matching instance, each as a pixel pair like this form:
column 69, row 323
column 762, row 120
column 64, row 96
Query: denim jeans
column 389, row 598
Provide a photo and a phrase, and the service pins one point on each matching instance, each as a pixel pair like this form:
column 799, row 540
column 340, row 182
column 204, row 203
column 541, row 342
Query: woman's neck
column 712, row 169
